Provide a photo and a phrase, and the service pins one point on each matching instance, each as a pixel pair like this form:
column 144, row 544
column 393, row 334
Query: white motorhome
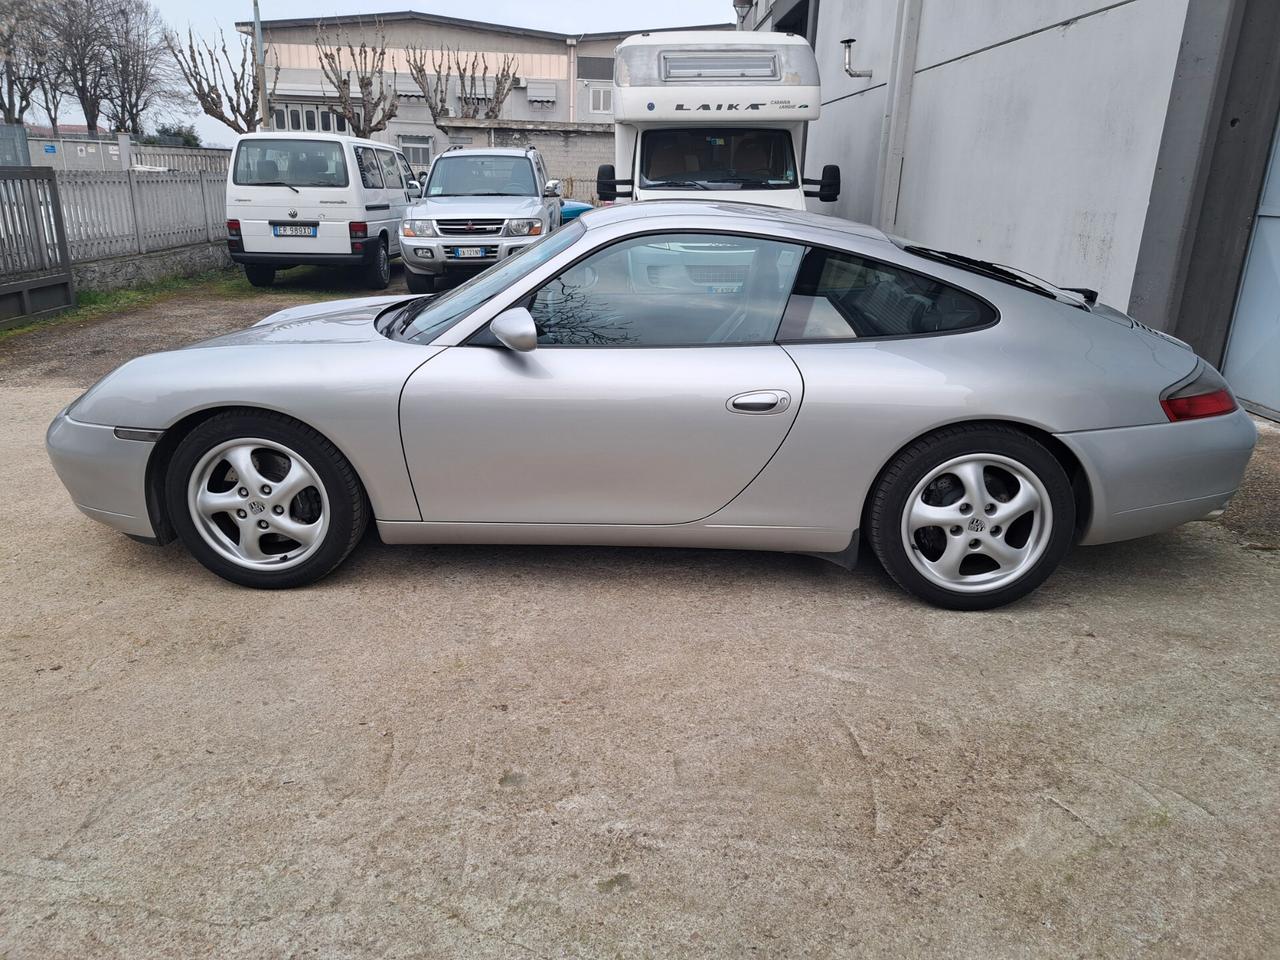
column 719, row 114
column 316, row 198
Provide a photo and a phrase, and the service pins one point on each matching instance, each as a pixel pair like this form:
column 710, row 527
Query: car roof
column 487, row 152
column 313, row 135
column 729, row 215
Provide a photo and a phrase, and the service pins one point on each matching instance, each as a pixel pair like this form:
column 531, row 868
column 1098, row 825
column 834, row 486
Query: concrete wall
column 115, row 273
column 1032, row 134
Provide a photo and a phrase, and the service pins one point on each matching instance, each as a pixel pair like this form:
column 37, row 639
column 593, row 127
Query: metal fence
column 120, row 153
column 111, row 214
column 35, row 263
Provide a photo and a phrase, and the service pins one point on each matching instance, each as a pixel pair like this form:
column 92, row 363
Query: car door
column 397, row 195
column 655, row 394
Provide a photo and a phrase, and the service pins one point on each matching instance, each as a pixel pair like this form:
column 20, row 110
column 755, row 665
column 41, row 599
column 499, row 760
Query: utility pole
column 260, row 70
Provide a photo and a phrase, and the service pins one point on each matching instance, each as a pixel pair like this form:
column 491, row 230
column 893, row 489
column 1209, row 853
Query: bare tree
column 52, row 80
column 18, row 58
column 224, row 84
column 371, row 112
column 434, row 85
column 503, row 81
column 83, row 52
column 142, row 75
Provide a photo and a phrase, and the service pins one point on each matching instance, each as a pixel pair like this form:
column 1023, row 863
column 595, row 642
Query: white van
column 715, row 115
column 306, row 198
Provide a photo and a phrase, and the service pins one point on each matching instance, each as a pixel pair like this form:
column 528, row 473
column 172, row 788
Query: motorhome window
column 720, row 66
column 717, row 159
column 298, row 163
column 370, row 169
column 480, row 176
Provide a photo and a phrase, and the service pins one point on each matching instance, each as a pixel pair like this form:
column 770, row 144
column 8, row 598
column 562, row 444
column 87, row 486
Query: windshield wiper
column 276, row 183
column 677, row 183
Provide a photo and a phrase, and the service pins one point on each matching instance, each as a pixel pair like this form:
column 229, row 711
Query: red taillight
column 1204, row 394
column 233, row 228
column 359, row 231
column 1200, row 405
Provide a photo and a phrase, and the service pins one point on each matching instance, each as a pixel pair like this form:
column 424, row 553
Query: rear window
column 297, row 163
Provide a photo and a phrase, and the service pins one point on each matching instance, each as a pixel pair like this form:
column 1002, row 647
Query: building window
column 417, row 151
column 602, row 100
column 342, row 122
column 311, row 119
column 326, row 120
column 295, row 119
column 279, row 121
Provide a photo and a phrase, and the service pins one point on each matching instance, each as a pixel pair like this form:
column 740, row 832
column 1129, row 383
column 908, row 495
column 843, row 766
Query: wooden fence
column 111, row 214
column 35, row 263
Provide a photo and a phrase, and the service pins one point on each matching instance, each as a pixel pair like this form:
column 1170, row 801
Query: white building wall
column 1025, row 145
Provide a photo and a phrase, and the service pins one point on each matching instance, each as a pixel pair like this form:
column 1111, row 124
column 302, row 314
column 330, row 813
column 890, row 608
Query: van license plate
column 468, row 252
column 293, row 230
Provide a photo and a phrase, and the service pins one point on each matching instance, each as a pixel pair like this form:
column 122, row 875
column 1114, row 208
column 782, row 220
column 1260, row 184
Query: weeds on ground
column 312, row 283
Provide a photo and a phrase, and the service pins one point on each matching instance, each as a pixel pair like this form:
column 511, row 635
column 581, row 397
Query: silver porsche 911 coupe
column 674, row 373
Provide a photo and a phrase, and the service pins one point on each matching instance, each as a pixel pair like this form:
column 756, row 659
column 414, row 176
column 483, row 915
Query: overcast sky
column 566, row 16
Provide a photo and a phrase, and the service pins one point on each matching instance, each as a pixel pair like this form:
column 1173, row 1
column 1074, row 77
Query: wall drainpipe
column 897, row 113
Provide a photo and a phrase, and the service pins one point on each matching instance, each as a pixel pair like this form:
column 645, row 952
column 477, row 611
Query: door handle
column 760, row 401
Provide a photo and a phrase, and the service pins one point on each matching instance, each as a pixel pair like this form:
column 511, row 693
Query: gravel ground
column 509, row 752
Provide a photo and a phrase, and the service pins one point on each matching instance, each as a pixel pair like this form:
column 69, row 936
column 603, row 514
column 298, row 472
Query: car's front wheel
column 972, row 517
column 263, row 500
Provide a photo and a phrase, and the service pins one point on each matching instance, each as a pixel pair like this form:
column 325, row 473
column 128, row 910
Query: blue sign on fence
column 50, row 148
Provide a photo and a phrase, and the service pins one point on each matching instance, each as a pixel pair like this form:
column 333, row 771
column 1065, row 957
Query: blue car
column 572, row 209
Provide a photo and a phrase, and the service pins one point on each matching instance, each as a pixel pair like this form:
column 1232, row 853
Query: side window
column 840, row 296
column 681, row 289
column 405, row 170
column 370, row 169
column 390, row 172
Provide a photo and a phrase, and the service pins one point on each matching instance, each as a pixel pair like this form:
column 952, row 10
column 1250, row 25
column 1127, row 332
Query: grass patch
column 312, row 283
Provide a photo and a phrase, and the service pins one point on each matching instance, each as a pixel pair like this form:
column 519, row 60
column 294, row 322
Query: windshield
column 463, row 176
column 425, row 319
column 717, row 159
column 290, row 163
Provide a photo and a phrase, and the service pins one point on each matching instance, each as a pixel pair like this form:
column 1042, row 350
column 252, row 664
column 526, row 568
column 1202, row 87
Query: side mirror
column 552, row 189
column 414, row 187
column 606, row 183
column 515, row 329
column 829, row 185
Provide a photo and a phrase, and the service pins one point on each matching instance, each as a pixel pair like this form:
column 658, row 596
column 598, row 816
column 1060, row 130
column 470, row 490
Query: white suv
column 478, row 206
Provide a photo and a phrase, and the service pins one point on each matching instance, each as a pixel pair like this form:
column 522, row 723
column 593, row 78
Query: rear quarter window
column 841, row 296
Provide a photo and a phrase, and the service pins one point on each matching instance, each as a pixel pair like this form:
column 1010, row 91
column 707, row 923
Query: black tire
column 258, row 275
column 377, row 271
column 420, row 282
column 890, row 498
column 348, row 506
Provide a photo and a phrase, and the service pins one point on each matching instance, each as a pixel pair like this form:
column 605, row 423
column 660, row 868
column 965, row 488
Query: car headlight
column 524, row 228
column 417, row 228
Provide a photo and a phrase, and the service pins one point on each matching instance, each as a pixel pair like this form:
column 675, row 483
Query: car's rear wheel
column 377, row 272
column 420, row 282
column 258, row 275
column 263, row 500
column 972, row 517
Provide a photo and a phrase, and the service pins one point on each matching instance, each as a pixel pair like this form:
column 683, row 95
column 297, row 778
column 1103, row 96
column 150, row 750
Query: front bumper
column 437, row 255
column 1149, row 479
column 106, row 476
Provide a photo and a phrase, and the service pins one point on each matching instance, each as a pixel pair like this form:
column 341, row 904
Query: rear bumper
column 283, row 260
column 435, row 256
column 106, row 476
column 1149, row 479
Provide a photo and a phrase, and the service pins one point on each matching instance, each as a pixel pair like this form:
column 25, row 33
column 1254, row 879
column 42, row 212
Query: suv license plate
column 461, row 252
column 294, row 230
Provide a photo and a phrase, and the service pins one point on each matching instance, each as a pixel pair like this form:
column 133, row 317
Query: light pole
column 260, row 70
column 742, row 8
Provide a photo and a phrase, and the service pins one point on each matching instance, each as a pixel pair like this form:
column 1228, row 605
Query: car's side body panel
column 345, row 385
column 591, row 434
